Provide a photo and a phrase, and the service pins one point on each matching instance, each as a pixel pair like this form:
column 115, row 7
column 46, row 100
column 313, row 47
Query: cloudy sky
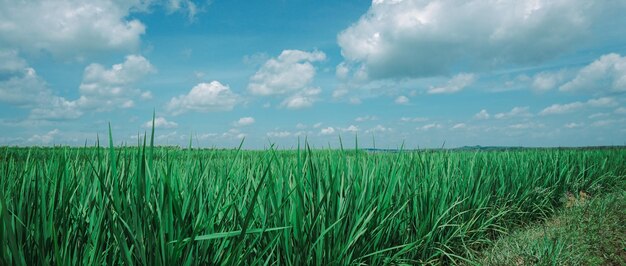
column 473, row 72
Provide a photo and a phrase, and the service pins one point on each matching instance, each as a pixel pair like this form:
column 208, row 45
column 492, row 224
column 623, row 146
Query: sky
column 387, row 73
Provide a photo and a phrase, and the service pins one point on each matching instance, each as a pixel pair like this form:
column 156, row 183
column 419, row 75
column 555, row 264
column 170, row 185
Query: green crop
column 151, row 205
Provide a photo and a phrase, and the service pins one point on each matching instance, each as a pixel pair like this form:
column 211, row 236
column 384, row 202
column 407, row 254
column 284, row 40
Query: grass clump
column 586, row 232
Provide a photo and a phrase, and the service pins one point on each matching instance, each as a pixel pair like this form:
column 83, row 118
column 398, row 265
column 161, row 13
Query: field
column 150, row 205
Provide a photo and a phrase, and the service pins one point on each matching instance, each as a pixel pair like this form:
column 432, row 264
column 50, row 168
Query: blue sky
column 515, row 73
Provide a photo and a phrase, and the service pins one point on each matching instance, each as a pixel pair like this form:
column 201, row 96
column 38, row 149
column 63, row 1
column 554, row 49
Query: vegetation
column 163, row 206
column 586, row 232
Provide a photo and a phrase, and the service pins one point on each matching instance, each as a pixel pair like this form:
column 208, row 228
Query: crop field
column 145, row 205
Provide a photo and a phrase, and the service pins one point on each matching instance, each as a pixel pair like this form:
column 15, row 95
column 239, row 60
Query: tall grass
column 168, row 206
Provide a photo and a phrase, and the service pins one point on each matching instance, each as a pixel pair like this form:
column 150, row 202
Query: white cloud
column 317, row 125
column 430, row 126
column 169, row 136
column 573, row 125
column 354, row 100
column 11, row 62
column 185, row 6
column 482, row 115
column 378, row 129
column 414, row 38
column 602, row 102
column 45, row 138
column 526, row 125
column 603, row 123
column 279, row 134
column 290, row 72
column 401, row 100
column 146, row 95
column 351, row 128
column 459, row 126
column 23, row 87
column 621, row 110
column 574, row 106
column 204, row 97
column 57, row 108
column 101, row 89
column 545, row 81
column 234, row 133
column 366, row 118
column 413, row 119
column 160, row 122
column 327, row 131
column 302, row 99
column 244, row 121
column 607, row 74
column 456, row 84
column 20, row 85
column 104, row 89
column 342, row 71
column 562, row 108
column 515, row 112
column 69, row 27
column 597, row 115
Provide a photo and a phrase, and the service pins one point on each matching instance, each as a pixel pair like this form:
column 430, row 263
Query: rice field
column 146, row 205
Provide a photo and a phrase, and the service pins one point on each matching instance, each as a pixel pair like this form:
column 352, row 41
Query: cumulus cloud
column 234, row 133
column 57, row 108
column 44, row 138
column 105, row 88
column 412, row 38
column 160, row 122
column 598, row 115
column 378, row 129
column 573, row 125
column 279, row 134
column 482, row 115
column 574, row 106
column 515, row 112
column 11, row 62
column 456, row 84
column 244, row 121
column 351, row 128
column 401, row 100
column 69, row 27
column 366, row 118
column 604, row 123
column 290, row 72
column 102, row 89
column 545, row 81
column 607, row 74
column 185, row 6
column 459, row 126
column 327, row 131
column 562, row 108
column 413, row 119
column 22, row 86
column 342, row 71
column 430, row 126
column 302, row 99
column 526, row 125
column 204, row 97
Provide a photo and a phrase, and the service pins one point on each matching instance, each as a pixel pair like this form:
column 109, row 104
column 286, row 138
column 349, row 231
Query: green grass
column 586, row 232
column 168, row 206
